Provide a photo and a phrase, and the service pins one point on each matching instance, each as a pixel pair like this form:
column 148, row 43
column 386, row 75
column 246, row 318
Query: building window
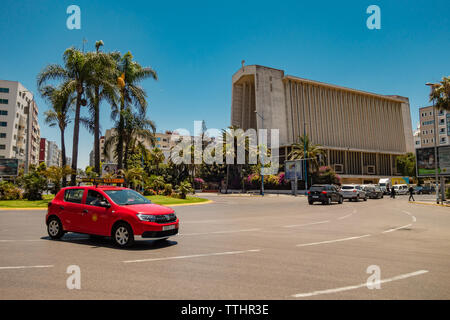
column 442, row 130
column 3, row 124
column 4, row 90
column 3, row 101
column 2, row 135
column 443, row 140
column 2, row 147
column 442, row 121
column 3, row 112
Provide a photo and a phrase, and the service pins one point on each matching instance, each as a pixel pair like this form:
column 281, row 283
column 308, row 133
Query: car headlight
column 146, row 217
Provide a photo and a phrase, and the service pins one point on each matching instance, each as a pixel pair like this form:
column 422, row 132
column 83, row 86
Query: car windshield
column 126, row 197
column 348, row 187
column 317, row 188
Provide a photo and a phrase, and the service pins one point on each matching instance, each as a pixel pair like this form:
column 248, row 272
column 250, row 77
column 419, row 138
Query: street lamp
column 431, row 85
column 262, row 171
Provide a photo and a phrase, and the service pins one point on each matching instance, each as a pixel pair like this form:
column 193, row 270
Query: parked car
column 373, row 192
column 424, row 190
column 353, row 192
column 120, row 213
column 326, row 194
column 401, row 189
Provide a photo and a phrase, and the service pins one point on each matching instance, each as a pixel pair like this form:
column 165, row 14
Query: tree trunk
column 76, row 133
column 120, row 137
column 97, row 131
column 63, row 155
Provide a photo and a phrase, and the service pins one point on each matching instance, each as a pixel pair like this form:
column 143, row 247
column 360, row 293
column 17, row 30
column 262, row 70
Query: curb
column 430, row 204
column 188, row 204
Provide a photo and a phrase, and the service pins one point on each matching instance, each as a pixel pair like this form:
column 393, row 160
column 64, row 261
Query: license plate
column 171, row 227
column 315, row 197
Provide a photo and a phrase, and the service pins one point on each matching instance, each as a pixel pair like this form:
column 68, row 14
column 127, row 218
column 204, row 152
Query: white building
column 19, row 127
column 417, row 139
column 50, row 153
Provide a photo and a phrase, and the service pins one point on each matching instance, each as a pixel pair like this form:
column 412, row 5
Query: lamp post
column 262, row 171
column 431, row 85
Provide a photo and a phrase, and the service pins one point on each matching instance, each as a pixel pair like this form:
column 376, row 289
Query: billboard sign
column 9, row 167
column 293, row 170
column 444, row 160
column 109, row 168
column 426, row 162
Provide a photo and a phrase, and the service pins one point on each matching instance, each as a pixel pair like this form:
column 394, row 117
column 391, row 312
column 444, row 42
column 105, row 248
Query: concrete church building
column 362, row 132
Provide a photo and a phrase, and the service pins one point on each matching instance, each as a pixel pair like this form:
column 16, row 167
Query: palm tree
column 61, row 103
column 76, row 74
column 130, row 73
column 103, row 88
column 312, row 154
column 440, row 94
column 136, row 130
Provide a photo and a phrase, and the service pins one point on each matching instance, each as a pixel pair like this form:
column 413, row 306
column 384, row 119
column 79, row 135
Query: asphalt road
column 276, row 247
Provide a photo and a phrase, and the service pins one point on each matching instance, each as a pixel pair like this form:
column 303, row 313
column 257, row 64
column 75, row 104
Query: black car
column 324, row 193
column 373, row 192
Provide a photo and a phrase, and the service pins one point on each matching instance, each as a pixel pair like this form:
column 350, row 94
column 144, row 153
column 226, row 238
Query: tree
column 314, row 153
column 406, row 165
column 76, row 74
column 135, row 131
column 130, row 73
column 61, row 102
column 103, row 87
column 440, row 94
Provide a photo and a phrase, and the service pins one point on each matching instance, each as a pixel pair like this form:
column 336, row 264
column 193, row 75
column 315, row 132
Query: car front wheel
column 55, row 228
column 123, row 235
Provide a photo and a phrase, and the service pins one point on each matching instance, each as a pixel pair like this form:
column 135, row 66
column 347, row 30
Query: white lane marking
column 217, row 232
column 395, row 229
column 414, row 219
column 21, row 240
column 25, row 267
column 193, row 256
column 306, row 224
column 362, row 285
column 331, row 241
column 348, row 215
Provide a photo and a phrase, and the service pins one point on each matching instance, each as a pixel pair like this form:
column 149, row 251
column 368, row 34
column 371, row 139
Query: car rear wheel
column 55, row 228
column 341, row 199
column 311, row 202
column 123, row 235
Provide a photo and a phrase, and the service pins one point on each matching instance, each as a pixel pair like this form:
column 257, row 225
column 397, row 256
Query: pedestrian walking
column 392, row 193
column 411, row 194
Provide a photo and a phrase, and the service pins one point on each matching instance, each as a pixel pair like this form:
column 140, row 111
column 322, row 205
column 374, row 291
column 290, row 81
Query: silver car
column 353, row 192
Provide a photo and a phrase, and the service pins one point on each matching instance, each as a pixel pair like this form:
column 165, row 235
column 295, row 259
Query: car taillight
column 324, row 192
column 354, row 190
column 309, row 192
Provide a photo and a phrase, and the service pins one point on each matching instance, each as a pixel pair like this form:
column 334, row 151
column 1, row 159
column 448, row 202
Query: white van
column 401, row 188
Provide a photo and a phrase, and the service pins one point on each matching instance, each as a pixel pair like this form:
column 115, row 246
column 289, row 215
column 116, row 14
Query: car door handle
column 85, row 211
column 61, row 207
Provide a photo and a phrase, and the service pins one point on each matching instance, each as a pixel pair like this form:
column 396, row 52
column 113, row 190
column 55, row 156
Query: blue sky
column 196, row 46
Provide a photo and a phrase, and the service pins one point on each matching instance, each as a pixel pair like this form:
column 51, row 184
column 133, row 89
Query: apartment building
column 362, row 133
column 417, row 138
column 428, row 116
column 50, row 153
column 19, row 126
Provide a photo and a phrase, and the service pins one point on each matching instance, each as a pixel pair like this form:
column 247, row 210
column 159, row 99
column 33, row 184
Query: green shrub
column 183, row 189
column 168, row 189
column 8, row 191
column 34, row 184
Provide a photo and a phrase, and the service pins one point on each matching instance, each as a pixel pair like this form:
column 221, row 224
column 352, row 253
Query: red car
column 120, row 213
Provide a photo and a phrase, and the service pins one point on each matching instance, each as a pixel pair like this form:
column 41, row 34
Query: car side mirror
column 104, row 204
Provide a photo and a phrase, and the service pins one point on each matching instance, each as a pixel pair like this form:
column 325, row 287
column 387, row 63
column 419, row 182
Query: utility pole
column 262, row 162
column 431, row 85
